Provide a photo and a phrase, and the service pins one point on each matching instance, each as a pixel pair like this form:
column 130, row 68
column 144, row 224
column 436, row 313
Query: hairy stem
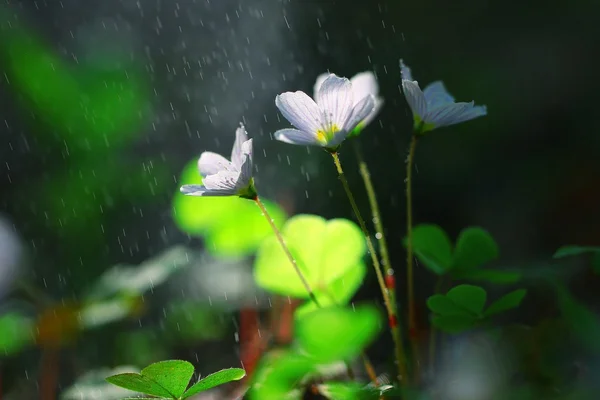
column 375, row 213
column 286, row 250
column 392, row 318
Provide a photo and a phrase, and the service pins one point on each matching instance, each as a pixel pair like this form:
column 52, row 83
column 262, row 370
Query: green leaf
column 432, row 247
column 469, row 297
column 335, row 333
column 474, row 248
column 139, row 383
column 443, row 305
column 584, row 323
column 173, row 375
column 567, row 251
column 507, row 302
column 278, row 376
column 339, row 292
column 239, row 232
column 324, row 251
column 348, row 391
column 15, row 333
column 488, row 275
column 216, row 379
column 454, row 323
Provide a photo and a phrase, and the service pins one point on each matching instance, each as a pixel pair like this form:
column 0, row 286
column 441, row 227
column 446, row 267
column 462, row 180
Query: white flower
column 434, row 107
column 363, row 84
column 327, row 121
column 221, row 177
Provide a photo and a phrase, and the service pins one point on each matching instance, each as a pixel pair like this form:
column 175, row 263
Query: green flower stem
column 412, row 322
column 286, row 250
column 392, row 318
column 376, row 214
column 377, row 220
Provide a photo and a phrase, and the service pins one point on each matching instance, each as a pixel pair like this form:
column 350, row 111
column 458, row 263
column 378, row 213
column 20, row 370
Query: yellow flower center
column 325, row 136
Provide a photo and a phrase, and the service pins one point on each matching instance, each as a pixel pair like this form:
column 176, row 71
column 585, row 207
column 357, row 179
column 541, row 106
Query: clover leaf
column 474, row 248
column 336, row 333
column 278, row 375
column 433, row 247
column 463, row 307
column 169, row 379
column 328, row 253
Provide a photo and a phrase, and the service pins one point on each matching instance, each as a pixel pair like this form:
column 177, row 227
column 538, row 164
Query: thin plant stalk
column 392, row 318
column 377, row 221
column 375, row 213
column 286, row 250
column 412, row 322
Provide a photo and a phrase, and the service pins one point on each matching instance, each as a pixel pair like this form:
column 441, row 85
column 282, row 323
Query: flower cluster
column 340, row 109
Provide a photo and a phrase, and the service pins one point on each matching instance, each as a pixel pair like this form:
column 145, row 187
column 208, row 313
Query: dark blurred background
column 102, row 103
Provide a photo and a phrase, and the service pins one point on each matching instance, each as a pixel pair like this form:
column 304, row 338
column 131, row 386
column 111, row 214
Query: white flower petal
column 436, row 95
column 414, row 97
column 378, row 104
column 212, row 163
column 364, row 84
column 295, row 136
column 300, row 110
column 359, row 112
column 335, row 99
column 241, row 136
column 246, row 171
column 199, row 190
column 223, row 181
column 454, row 113
column 405, row 72
column 320, row 79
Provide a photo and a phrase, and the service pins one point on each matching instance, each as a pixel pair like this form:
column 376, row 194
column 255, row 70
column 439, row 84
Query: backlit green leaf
column 339, row 292
column 173, row 375
column 474, row 248
column 432, row 247
column 507, row 302
column 279, row 375
column 241, row 231
column 335, row 333
column 216, row 379
column 469, row 297
column 348, row 391
column 324, row 251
